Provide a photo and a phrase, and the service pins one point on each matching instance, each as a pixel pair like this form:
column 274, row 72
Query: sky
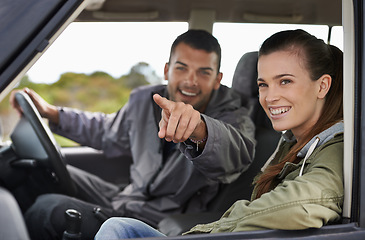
column 115, row 47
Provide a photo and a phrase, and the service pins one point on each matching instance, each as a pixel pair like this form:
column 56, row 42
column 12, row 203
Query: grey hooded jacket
column 186, row 180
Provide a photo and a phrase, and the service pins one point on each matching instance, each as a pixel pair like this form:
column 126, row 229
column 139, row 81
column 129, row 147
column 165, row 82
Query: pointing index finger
column 164, row 103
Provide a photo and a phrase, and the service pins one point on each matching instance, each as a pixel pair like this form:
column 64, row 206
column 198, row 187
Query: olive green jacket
column 298, row 202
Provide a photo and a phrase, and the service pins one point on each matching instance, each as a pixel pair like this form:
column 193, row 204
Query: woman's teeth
column 278, row 111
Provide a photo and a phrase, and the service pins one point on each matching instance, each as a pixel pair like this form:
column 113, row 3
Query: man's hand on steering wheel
column 28, row 102
column 45, row 109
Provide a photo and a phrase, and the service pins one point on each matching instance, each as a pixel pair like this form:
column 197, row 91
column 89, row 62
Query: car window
column 89, row 53
column 110, row 47
column 239, row 38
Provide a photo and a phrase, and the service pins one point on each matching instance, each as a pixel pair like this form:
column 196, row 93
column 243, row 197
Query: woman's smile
column 278, row 110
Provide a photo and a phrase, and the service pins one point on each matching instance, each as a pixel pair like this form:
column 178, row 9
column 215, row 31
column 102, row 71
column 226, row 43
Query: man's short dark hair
column 201, row 40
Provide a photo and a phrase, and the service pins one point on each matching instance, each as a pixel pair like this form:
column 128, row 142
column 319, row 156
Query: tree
column 141, row 74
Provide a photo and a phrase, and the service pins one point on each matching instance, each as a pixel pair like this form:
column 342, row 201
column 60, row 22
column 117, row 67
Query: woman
column 301, row 186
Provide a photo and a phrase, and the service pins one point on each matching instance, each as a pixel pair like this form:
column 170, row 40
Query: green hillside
column 95, row 92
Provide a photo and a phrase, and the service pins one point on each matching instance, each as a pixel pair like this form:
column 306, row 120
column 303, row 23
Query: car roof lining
column 236, row 11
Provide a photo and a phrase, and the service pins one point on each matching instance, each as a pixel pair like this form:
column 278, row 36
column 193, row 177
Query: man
column 185, row 139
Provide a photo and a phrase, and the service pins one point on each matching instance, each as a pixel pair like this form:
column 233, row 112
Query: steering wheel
column 52, row 158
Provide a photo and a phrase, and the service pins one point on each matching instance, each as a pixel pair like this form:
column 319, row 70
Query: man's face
column 192, row 76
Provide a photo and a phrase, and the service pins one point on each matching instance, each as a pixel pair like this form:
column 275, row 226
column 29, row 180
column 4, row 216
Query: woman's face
column 287, row 94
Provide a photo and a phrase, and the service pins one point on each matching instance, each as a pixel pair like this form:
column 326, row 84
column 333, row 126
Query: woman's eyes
column 285, row 81
column 261, row 84
column 282, row 82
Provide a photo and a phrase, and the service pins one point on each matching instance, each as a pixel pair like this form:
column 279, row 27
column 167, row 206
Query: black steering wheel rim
column 55, row 158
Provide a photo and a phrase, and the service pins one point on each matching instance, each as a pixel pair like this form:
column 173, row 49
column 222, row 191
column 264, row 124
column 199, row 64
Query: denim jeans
column 122, row 228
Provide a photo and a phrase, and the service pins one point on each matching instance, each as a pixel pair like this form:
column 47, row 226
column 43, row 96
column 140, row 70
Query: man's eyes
column 205, row 72
column 199, row 72
column 181, row 68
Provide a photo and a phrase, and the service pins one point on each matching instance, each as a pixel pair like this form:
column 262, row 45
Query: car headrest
column 245, row 76
column 245, row 82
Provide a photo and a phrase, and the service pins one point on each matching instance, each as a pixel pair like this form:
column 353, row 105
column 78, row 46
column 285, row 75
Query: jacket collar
column 315, row 142
column 323, row 137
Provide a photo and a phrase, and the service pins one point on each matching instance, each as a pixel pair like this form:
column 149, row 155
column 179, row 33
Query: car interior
column 244, row 82
column 199, row 14
column 11, row 220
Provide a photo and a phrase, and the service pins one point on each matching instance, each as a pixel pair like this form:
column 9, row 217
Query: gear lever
column 73, row 225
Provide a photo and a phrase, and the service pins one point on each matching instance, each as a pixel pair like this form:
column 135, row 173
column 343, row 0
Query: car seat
column 245, row 82
column 12, row 225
